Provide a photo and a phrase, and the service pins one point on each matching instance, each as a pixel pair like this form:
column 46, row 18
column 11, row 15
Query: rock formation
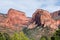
column 42, row 24
column 14, row 19
column 43, row 17
column 17, row 17
column 56, row 16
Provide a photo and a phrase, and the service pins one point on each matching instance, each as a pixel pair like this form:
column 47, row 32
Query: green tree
column 43, row 38
column 19, row 36
column 56, row 35
column 4, row 36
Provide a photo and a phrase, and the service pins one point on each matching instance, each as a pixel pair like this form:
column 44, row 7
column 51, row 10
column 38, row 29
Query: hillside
column 42, row 23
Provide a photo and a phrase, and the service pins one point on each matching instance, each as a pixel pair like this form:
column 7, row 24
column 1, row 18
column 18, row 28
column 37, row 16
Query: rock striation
column 14, row 19
column 43, row 17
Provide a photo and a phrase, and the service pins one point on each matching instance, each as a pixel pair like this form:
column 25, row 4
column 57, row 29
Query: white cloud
column 28, row 6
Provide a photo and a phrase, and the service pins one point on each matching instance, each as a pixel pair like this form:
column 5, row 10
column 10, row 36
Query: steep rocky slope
column 56, row 16
column 43, row 18
column 13, row 20
column 16, row 20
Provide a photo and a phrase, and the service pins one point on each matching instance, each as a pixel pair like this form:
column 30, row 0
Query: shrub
column 19, row 36
column 4, row 36
column 7, row 36
column 45, row 38
column 56, row 36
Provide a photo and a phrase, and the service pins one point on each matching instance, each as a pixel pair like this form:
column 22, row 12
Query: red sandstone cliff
column 41, row 17
column 56, row 16
column 13, row 19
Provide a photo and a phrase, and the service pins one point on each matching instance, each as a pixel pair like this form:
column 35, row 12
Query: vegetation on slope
column 38, row 33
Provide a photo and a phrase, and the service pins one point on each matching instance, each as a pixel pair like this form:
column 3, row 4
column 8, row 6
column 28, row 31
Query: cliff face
column 43, row 17
column 56, row 16
column 17, row 17
column 13, row 19
column 42, row 24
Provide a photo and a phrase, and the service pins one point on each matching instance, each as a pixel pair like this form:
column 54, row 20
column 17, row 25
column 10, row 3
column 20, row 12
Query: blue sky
column 29, row 6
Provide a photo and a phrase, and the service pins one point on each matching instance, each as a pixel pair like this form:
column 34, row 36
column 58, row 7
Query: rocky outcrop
column 55, row 14
column 14, row 19
column 43, row 17
column 17, row 17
